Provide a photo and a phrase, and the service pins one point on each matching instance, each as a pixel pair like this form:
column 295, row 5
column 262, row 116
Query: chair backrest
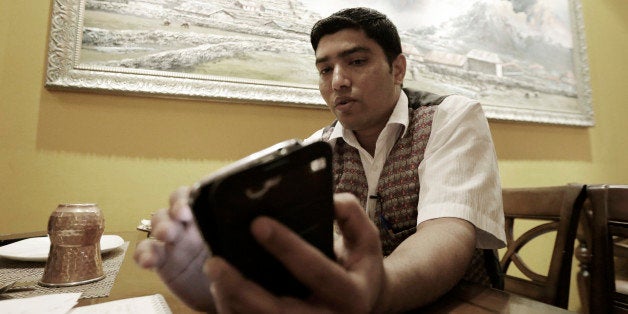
column 558, row 207
column 604, row 223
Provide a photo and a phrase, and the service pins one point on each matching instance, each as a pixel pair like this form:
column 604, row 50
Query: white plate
column 36, row 249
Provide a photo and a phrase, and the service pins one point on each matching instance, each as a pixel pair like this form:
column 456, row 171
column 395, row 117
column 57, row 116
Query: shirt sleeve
column 459, row 176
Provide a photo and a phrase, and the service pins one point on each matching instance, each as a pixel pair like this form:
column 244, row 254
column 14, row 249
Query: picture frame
column 255, row 51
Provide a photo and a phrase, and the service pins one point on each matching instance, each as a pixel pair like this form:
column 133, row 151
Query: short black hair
column 374, row 24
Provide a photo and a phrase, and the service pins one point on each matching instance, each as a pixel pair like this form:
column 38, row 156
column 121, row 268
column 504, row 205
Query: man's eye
column 358, row 61
column 323, row 71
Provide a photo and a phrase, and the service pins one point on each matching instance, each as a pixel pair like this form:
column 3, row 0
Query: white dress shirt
column 458, row 176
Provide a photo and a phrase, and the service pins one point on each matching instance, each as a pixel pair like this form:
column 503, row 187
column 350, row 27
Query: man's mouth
column 342, row 101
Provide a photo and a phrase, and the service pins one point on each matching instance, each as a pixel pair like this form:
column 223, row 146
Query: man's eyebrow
column 344, row 53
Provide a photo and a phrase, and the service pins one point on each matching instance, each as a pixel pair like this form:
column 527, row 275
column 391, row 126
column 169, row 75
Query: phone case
column 292, row 184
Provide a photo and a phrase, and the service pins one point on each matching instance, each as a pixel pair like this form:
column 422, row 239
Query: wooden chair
column 558, row 207
column 602, row 246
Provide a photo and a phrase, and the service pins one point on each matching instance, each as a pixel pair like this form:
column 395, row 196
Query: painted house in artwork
column 484, row 62
column 449, row 59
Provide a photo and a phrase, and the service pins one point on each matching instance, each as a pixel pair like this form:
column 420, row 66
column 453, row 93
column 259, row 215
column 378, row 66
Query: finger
column 187, row 252
column 354, row 224
column 174, row 247
column 363, row 257
column 181, row 192
column 165, row 229
column 309, row 265
column 233, row 293
column 340, row 251
column 148, row 253
column 179, row 205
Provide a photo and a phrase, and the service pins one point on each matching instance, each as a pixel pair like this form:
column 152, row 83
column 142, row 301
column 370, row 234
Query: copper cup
column 74, row 258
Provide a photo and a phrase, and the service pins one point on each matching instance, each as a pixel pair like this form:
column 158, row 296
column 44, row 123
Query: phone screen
column 294, row 188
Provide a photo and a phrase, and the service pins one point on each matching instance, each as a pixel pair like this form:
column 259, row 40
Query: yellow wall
column 128, row 153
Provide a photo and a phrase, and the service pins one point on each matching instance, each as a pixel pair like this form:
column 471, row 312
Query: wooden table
column 471, row 298
column 132, row 281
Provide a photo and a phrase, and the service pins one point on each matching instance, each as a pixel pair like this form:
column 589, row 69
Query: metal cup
column 74, row 258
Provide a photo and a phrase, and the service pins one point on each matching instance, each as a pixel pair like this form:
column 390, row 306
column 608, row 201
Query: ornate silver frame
column 64, row 72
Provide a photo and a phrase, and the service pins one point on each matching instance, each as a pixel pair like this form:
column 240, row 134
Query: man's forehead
column 345, row 34
column 342, row 44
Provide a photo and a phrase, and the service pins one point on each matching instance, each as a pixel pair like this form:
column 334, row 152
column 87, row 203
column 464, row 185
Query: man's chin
column 347, row 124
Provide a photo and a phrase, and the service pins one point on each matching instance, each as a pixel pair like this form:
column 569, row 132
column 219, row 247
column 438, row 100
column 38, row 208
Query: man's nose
column 340, row 79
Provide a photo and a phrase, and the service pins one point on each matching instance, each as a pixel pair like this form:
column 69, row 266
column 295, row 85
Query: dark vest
column 398, row 186
column 395, row 213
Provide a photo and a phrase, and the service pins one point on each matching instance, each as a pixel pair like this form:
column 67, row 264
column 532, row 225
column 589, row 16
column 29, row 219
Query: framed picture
column 523, row 60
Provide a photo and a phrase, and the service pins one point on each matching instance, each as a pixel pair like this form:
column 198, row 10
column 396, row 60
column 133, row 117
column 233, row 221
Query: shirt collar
column 399, row 116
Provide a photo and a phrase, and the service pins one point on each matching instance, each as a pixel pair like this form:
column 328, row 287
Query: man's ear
column 399, row 68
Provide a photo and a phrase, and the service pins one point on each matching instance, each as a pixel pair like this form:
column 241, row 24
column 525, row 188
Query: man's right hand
column 177, row 252
column 352, row 284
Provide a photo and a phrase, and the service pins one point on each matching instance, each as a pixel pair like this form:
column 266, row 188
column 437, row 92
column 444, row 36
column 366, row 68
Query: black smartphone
column 289, row 182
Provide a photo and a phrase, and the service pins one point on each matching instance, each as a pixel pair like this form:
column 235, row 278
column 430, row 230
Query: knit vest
column 398, row 187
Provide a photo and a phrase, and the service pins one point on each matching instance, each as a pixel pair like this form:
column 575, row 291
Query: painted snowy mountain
column 535, row 36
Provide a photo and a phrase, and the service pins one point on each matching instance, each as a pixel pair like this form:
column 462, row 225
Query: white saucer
column 36, row 249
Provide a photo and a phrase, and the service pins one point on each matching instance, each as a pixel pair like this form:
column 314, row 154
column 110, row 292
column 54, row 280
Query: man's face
column 356, row 81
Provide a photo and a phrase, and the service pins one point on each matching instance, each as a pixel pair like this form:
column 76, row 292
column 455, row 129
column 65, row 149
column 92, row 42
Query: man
column 423, row 169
